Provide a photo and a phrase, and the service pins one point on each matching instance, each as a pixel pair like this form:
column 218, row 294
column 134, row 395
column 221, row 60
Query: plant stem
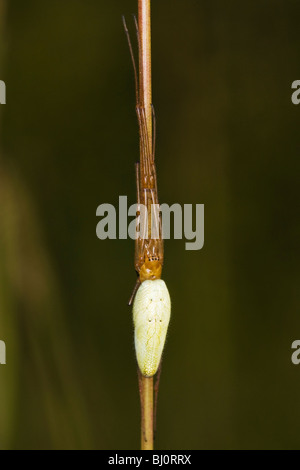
column 146, row 396
column 144, row 20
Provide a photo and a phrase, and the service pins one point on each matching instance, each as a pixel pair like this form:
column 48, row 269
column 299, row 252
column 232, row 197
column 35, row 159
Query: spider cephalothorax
column 151, row 269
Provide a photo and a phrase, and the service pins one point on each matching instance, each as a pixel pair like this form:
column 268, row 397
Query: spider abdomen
column 151, row 316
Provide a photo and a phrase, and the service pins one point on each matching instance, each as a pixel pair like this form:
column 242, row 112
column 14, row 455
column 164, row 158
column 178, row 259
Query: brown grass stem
column 144, row 22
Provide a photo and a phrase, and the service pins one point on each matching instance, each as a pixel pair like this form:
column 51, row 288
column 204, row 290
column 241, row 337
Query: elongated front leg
column 138, row 259
column 139, row 254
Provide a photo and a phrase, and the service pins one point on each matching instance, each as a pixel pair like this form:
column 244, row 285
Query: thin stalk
column 146, row 395
column 144, row 21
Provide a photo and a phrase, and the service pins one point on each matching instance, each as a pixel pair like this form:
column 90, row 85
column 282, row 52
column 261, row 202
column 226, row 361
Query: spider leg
column 135, row 289
column 154, row 132
column 133, row 60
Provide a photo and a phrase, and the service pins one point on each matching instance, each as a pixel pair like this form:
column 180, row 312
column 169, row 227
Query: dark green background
column 228, row 137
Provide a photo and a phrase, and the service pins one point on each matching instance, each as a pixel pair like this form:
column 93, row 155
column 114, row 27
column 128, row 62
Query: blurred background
column 228, row 137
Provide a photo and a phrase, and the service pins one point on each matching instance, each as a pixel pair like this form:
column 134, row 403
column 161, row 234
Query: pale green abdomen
column 151, row 316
